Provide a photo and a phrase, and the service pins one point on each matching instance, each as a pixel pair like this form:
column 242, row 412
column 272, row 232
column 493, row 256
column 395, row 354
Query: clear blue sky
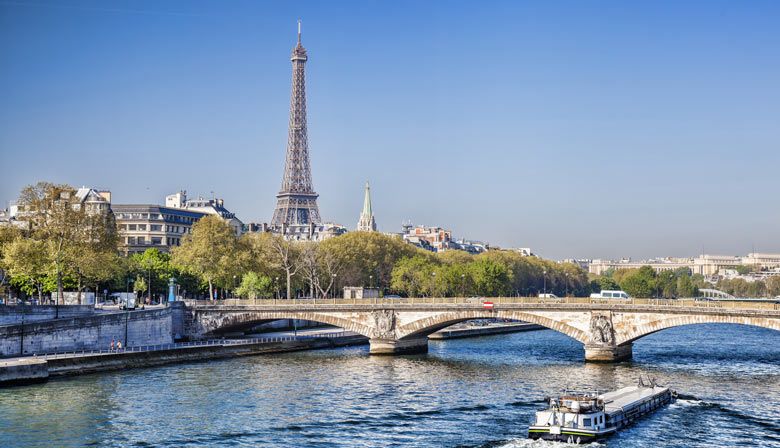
column 579, row 129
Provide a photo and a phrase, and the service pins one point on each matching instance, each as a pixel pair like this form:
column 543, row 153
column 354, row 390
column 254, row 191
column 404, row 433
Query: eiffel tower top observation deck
column 297, row 202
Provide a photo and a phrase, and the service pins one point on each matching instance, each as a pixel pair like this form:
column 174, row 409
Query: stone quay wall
column 140, row 327
column 17, row 314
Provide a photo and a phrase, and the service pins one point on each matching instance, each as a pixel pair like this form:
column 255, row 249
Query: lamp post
column 463, row 285
column 234, row 286
column 149, row 287
column 276, row 282
column 433, row 279
column 544, row 274
column 334, row 287
column 567, row 285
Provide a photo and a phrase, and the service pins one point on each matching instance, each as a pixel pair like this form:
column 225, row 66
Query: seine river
column 465, row 393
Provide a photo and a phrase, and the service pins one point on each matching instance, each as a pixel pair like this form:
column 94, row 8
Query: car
column 392, row 296
column 548, row 295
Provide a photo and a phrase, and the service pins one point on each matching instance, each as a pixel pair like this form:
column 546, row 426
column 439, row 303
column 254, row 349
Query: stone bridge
column 606, row 329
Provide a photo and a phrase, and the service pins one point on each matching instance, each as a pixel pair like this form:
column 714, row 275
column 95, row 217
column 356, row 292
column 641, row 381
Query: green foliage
column 368, row 257
column 639, row 282
column 413, row 275
column 773, row 286
column 254, row 286
column 209, row 252
column 491, row 277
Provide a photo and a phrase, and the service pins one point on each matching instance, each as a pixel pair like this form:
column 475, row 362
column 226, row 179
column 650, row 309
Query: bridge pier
column 607, row 353
column 398, row 346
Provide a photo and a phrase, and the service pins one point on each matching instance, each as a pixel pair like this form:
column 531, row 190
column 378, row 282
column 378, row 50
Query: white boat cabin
column 574, row 410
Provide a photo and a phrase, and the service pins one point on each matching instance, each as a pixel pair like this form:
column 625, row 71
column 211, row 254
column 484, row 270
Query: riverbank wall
column 38, row 369
column 18, row 314
column 470, row 332
column 89, row 332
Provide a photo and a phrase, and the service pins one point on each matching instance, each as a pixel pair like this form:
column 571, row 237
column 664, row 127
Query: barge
column 584, row 417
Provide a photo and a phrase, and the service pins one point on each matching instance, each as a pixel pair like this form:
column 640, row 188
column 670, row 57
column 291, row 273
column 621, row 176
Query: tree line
column 64, row 246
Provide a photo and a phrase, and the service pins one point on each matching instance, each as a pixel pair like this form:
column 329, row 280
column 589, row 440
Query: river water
column 465, row 393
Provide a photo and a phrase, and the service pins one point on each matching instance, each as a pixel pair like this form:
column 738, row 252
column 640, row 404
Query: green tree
column 607, row 283
column 254, row 285
column 155, row 265
column 685, row 287
column 638, row 282
column 773, row 286
column 209, row 252
column 367, row 258
column 140, row 285
column 28, row 264
column 491, row 278
column 413, row 275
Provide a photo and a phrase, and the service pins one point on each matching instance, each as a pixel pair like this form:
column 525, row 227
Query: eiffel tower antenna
column 296, row 202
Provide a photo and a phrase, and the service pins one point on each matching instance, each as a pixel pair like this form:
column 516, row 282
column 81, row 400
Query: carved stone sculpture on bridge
column 384, row 324
column 601, row 331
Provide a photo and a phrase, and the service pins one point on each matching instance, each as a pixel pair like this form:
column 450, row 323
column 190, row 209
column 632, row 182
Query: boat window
column 586, row 422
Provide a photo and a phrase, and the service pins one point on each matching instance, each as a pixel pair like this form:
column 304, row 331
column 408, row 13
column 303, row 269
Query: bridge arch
column 210, row 323
column 693, row 319
column 425, row 326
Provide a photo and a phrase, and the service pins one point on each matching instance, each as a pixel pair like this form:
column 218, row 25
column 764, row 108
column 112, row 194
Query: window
column 585, row 422
column 141, row 226
column 131, row 227
column 156, row 241
column 156, row 228
column 131, row 240
column 141, row 240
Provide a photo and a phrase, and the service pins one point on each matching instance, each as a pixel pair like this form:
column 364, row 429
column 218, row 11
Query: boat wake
column 539, row 443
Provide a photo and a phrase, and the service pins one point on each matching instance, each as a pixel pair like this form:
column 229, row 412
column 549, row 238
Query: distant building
column 147, row 226
column 359, row 292
column 582, row 263
column 472, row 247
column 207, row 206
column 366, row 223
column 438, row 238
column 91, row 200
column 706, row 265
column 94, row 201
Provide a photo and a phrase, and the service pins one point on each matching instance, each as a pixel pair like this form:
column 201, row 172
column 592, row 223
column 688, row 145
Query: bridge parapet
column 606, row 328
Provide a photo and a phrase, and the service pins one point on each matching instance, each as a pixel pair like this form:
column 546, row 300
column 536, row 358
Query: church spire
column 367, row 222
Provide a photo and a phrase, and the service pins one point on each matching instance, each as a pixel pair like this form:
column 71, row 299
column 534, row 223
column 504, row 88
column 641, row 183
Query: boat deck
column 617, row 400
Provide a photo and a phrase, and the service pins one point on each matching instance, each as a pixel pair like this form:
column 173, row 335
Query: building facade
column 147, row 226
column 206, row 206
column 706, row 265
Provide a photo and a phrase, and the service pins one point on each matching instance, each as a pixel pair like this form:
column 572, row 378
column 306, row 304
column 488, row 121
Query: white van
column 611, row 294
column 548, row 295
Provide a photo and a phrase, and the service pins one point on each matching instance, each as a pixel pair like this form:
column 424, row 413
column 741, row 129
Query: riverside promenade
column 41, row 367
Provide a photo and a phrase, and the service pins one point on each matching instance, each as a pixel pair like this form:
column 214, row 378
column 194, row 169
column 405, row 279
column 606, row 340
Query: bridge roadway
column 607, row 329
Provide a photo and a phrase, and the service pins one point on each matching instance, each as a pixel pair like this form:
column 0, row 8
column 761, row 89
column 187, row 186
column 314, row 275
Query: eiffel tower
column 296, row 202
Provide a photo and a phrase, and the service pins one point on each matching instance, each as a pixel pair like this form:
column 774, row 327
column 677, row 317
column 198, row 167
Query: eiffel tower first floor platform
column 296, row 209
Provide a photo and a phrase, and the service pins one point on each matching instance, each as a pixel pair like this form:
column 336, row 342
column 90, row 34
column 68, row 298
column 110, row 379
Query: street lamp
column 334, row 287
column 234, row 286
column 567, row 285
column 433, row 290
column 149, row 287
column 276, row 282
column 463, row 285
column 544, row 274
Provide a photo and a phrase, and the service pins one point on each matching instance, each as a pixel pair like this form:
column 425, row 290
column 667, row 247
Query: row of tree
column 63, row 245
column 646, row 282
